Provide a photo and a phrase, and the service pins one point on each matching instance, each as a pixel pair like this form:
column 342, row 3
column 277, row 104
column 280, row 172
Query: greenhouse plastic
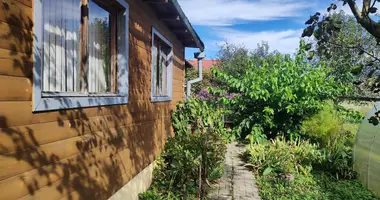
column 367, row 153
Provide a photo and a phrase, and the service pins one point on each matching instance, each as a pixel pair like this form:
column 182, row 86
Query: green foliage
column 317, row 186
column 280, row 156
column 349, row 115
column 343, row 51
column 232, row 59
column 276, row 94
column 194, row 156
column 207, row 82
column 153, row 194
column 328, row 129
column 198, row 116
column 349, row 44
column 325, row 126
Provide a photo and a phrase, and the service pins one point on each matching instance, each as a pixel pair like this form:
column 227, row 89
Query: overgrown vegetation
column 194, row 157
column 316, row 186
column 275, row 95
column 287, row 107
column 300, row 138
column 316, row 165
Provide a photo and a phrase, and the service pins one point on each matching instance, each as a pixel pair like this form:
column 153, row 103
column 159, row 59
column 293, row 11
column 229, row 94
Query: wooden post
column 84, row 46
column 113, row 41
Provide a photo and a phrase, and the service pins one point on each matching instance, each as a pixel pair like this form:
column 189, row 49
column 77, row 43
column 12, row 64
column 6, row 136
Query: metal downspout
column 199, row 56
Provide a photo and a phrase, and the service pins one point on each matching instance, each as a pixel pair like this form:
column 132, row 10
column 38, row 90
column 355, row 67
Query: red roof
column 207, row 64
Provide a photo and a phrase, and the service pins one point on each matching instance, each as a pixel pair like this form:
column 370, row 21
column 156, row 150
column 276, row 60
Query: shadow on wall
column 82, row 153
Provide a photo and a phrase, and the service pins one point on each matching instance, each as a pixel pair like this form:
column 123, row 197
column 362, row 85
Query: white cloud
column 285, row 41
column 229, row 12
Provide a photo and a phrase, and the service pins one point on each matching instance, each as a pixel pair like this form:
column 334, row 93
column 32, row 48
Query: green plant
column 198, row 116
column 277, row 93
column 349, row 115
column 316, row 186
column 207, row 82
column 327, row 128
column 153, row 194
column 280, row 156
column 194, row 157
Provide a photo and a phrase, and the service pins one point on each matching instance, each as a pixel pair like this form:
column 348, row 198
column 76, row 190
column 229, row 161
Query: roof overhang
column 172, row 14
column 188, row 64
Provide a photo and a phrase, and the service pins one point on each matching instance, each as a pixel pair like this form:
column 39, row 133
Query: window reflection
column 99, row 47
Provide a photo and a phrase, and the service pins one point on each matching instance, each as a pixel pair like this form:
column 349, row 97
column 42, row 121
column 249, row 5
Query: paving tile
column 238, row 183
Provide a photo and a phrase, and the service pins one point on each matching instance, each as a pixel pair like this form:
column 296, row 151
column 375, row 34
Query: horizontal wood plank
column 86, row 160
column 15, row 89
column 79, row 153
column 15, row 64
column 15, row 38
column 16, row 13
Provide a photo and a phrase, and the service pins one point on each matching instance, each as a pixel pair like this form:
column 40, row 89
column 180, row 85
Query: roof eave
column 173, row 16
column 188, row 25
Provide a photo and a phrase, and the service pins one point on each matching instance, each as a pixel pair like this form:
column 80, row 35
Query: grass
column 362, row 107
column 315, row 186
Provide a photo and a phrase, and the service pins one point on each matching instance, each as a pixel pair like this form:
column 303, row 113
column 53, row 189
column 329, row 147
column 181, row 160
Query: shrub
column 315, row 186
column 282, row 156
column 278, row 93
column 193, row 157
column 324, row 126
column 335, row 137
column 198, row 116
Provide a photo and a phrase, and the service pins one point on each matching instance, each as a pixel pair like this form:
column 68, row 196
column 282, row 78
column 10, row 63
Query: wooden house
column 87, row 88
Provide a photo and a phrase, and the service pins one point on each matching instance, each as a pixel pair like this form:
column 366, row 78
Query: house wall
column 87, row 153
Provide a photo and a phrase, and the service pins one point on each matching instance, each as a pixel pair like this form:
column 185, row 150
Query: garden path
column 238, row 183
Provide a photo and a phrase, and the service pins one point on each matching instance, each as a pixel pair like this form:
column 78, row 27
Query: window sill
column 161, row 99
column 61, row 103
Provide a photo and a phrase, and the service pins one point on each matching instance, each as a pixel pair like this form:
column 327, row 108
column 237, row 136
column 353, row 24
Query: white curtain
column 61, row 20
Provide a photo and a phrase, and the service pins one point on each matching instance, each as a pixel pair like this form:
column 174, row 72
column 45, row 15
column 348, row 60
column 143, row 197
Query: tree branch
column 355, row 47
column 366, row 6
column 363, row 19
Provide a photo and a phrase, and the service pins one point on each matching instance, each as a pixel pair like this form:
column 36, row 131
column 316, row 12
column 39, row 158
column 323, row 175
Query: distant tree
column 342, row 53
column 208, row 80
column 325, row 28
column 232, row 58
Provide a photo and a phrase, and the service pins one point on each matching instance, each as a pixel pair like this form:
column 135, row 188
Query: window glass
column 83, row 46
column 99, row 49
column 61, row 20
column 161, row 63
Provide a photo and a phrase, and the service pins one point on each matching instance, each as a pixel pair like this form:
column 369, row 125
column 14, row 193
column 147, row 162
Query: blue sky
column 248, row 22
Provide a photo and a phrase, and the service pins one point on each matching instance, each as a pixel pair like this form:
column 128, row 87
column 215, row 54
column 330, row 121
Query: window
column 162, row 66
column 80, row 53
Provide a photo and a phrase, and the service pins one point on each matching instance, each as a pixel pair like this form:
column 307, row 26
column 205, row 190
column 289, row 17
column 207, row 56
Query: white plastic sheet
column 367, row 153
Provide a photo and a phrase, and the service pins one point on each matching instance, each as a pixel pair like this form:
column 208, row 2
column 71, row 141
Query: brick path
column 238, row 183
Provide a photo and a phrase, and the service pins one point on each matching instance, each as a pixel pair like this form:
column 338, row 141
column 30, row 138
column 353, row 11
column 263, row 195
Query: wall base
column 140, row 183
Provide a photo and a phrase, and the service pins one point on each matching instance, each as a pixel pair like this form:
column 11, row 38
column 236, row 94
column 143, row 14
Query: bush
column 280, row 156
column 318, row 186
column 198, row 116
column 324, row 127
column 278, row 93
column 336, row 138
column 193, row 157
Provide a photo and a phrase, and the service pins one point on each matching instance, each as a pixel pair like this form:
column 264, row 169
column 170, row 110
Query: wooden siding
column 86, row 153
